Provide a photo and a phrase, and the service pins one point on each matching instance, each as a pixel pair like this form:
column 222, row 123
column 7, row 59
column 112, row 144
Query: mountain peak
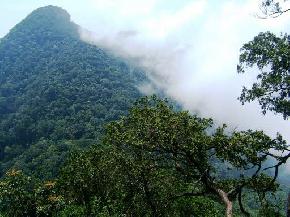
column 56, row 87
column 51, row 12
column 46, row 22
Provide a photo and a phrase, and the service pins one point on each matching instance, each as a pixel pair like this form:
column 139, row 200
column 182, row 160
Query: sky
column 189, row 48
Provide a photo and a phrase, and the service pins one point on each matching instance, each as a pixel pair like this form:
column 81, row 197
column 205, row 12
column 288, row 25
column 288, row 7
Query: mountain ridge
column 48, row 16
column 55, row 89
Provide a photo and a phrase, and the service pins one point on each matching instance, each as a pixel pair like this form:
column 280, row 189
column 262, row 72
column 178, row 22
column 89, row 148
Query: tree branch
column 273, row 15
column 241, row 204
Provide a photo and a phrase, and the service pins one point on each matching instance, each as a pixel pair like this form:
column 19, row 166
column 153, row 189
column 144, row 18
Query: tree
column 156, row 161
column 157, row 138
column 22, row 195
column 90, row 181
column 272, row 8
column 16, row 197
column 124, row 181
column 56, row 87
column 271, row 55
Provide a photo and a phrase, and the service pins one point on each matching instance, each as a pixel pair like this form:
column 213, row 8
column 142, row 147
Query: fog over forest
column 190, row 49
column 86, row 128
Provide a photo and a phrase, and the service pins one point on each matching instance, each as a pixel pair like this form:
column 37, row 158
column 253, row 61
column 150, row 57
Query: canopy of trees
column 157, row 162
column 56, row 91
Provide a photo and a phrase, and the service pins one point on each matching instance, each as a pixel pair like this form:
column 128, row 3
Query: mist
column 190, row 50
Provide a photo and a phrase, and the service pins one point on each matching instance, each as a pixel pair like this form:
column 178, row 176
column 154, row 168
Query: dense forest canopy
column 156, row 162
column 73, row 143
column 56, row 91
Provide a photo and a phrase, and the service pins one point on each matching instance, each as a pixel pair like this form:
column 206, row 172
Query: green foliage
column 21, row 195
column 48, row 201
column 160, row 162
column 199, row 207
column 55, row 87
column 155, row 162
column 16, row 198
column 85, row 178
column 177, row 147
column 270, row 54
column 72, row 211
column 57, row 92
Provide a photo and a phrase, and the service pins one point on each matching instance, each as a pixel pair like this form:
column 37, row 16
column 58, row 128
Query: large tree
column 156, row 137
column 158, row 161
column 271, row 55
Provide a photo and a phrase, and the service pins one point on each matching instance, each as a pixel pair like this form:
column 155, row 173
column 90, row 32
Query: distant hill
column 56, row 92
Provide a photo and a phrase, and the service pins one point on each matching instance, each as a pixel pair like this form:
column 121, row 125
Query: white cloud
column 167, row 23
column 125, row 8
column 192, row 52
column 190, row 47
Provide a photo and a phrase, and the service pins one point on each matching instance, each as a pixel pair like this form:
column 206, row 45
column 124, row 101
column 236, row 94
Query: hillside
column 73, row 143
column 56, row 92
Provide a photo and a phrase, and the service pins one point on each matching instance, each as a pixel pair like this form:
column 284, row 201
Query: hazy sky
column 190, row 47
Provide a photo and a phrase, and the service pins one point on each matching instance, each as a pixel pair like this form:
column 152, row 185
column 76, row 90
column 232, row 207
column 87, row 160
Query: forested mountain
column 72, row 143
column 56, row 91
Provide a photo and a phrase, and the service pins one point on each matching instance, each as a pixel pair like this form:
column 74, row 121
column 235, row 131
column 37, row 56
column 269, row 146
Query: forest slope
column 56, row 91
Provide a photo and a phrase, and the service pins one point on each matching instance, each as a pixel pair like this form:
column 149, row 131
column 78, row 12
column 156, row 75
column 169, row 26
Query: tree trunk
column 227, row 202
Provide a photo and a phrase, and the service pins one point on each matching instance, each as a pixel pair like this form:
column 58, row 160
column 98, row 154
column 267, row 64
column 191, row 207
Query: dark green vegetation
column 155, row 162
column 271, row 54
column 56, row 92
